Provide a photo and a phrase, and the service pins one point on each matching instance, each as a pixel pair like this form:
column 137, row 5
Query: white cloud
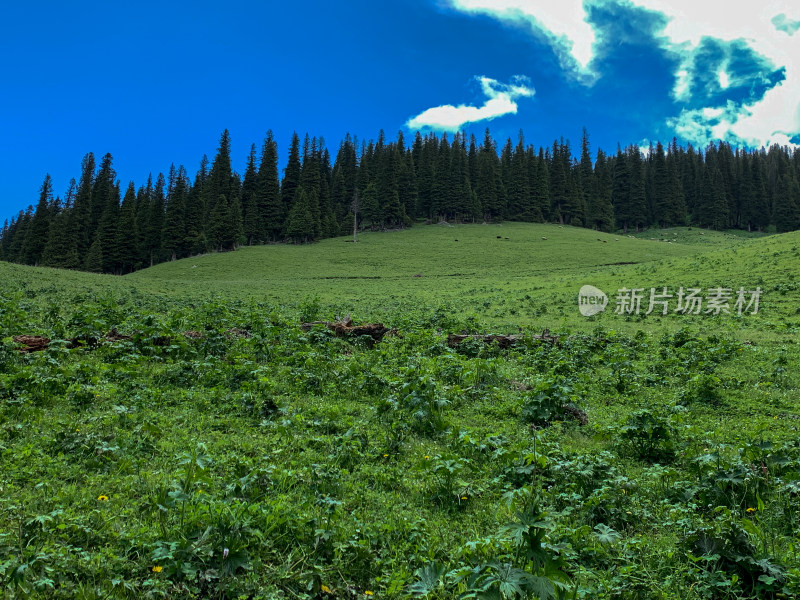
column 563, row 22
column 501, row 101
column 768, row 27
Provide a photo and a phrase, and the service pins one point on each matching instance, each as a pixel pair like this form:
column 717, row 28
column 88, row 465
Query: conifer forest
column 102, row 225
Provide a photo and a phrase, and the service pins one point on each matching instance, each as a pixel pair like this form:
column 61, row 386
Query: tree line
column 384, row 184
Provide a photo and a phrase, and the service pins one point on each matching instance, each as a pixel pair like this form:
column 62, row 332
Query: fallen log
column 345, row 328
column 36, row 343
column 504, row 341
column 32, row 343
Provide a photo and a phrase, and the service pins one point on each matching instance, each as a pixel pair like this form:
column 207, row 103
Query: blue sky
column 157, row 82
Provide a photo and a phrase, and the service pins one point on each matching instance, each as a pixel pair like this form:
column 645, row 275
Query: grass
column 329, row 469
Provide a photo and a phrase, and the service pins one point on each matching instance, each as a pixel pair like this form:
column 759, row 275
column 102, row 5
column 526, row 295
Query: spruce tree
column 518, row 186
column 102, row 195
column 300, row 224
column 291, row 175
column 174, row 234
column 621, row 191
column 94, row 257
column 786, row 211
column 235, row 228
column 272, row 214
column 195, row 241
column 83, row 204
column 441, row 189
column 251, row 219
column 489, row 186
column 61, row 250
column 586, row 178
column 220, row 177
column 219, row 224
column 36, row 234
column 154, row 222
column 370, row 205
column 638, row 197
column 107, row 232
column 126, row 244
column 661, row 184
column 601, row 211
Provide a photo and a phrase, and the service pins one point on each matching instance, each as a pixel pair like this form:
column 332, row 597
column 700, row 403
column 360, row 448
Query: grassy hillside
column 505, row 276
column 211, row 448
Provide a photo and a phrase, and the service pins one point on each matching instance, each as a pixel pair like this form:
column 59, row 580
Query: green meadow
column 181, row 436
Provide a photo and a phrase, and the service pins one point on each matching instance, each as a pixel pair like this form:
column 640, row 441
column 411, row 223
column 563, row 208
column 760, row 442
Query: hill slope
column 506, row 275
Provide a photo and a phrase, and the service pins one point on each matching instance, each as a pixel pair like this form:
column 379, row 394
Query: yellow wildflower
column 325, row 589
column 102, row 498
column 157, row 569
column 463, row 497
column 427, row 457
column 368, row 593
column 385, row 456
column 750, row 510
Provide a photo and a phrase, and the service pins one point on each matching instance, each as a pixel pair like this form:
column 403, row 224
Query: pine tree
column 621, row 191
column 196, row 241
column 518, row 186
column 61, row 250
column 559, row 186
column 153, row 223
column 127, row 252
column 271, row 209
column 406, row 178
column 300, row 224
column 220, row 178
column 489, row 187
column 441, row 190
column 291, row 175
column 661, row 183
column 83, row 203
column 426, row 177
column 251, row 218
column 102, row 196
column 36, row 235
column 601, row 211
column 219, row 224
column 587, row 183
column 174, row 234
column 234, row 232
column 107, row 232
column 638, row 197
column 786, row 211
column 675, row 213
column 94, row 258
column 370, row 205
column 310, row 181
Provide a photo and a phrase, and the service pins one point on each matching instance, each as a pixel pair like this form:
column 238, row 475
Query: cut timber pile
column 345, row 328
column 504, row 341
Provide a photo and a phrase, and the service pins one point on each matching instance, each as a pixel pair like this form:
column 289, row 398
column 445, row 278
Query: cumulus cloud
column 754, row 83
column 563, row 23
column 501, row 101
column 767, row 29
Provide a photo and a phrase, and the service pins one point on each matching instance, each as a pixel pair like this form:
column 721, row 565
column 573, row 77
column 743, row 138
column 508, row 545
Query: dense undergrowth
column 251, row 459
